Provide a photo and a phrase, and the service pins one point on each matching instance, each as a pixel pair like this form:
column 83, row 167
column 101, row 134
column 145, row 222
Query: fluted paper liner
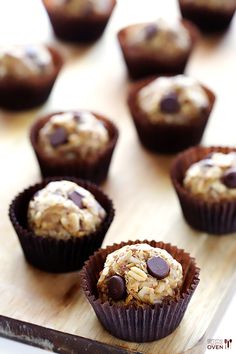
column 216, row 217
column 18, row 94
column 162, row 137
column 207, row 19
column 141, row 64
column 78, row 28
column 48, row 253
column 142, row 323
column 94, row 170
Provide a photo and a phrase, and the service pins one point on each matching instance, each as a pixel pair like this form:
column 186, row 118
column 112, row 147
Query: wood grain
column 94, row 77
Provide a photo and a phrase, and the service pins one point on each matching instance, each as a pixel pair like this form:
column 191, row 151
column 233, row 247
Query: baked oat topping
column 25, row 61
column 166, row 38
column 149, row 274
column 73, row 134
column 63, row 209
column 178, row 99
column 213, row 178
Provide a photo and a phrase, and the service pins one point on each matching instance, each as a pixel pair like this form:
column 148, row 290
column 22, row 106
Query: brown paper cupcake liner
column 77, row 28
column 208, row 216
column 95, row 170
column 207, row 20
column 16, row 94
column 48, row 253
column 140, row 323
column 167, row 138
column 141, row 64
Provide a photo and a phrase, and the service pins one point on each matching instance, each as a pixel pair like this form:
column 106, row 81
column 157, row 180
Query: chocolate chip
column 58, row 137
column 151, row 31
column 229, row 178
column 77, row 117
column 158, row 267
column 209, row 156
column 31, row 52
column 207, row 163
column 77, row 198
column 170, row 103
column 116, row 287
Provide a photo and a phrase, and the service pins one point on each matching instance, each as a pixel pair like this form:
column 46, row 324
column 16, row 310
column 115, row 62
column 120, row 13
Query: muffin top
column 213, row 4
column 167, row 39
column 73, row 135
column 213, row 178
column 63, row 209
column 173, row 100
column 81, row 7
column 140, row 274
column 22, row 62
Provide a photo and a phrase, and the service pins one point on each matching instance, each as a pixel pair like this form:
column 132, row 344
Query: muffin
column 210, row 15
column 79, row 20
column 74, row 143
column 170, row 113
column 27, row 75
column 205, row 181
column 146, row 283
column 60, row 222
column 157, row 48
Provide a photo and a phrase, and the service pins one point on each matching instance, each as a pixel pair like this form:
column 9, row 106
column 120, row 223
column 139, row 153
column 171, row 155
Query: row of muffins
column 28, row 73
column 61, row 222
column 135, row 281
column 161, row 317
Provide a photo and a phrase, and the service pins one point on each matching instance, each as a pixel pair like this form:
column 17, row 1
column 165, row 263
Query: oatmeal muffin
column 60, row 222
column 170, row 113
column 74, row 143
column 157, row 48
column 27, row 75
column 136, row 282
column 63, row 209
column 79, row 20
column 205, row 181
column 210, row 15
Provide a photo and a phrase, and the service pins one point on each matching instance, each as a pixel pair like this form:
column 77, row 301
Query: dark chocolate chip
column 58, row 137
column 158, row 267
column 76, row 198
column 151, row 31
column 31, row 52
column 77, row 117
column 207, row 163
column 170, row 103
column 209, row 156
column 116, row 287
column 229, row 178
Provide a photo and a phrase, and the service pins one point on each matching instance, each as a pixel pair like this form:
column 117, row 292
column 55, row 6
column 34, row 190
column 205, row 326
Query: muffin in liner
column 215, row 217
column 207, row 19
column 94, row 170
column 141, row 64
column 20, row 94
column 78, row 28
column 142, row 323
column 48, row 253
column 162, row 137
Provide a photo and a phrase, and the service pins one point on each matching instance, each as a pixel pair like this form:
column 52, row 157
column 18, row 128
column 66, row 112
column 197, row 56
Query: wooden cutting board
column 94, row 77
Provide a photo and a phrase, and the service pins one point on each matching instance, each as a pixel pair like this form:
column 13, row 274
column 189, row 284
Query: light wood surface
column 94, row 77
